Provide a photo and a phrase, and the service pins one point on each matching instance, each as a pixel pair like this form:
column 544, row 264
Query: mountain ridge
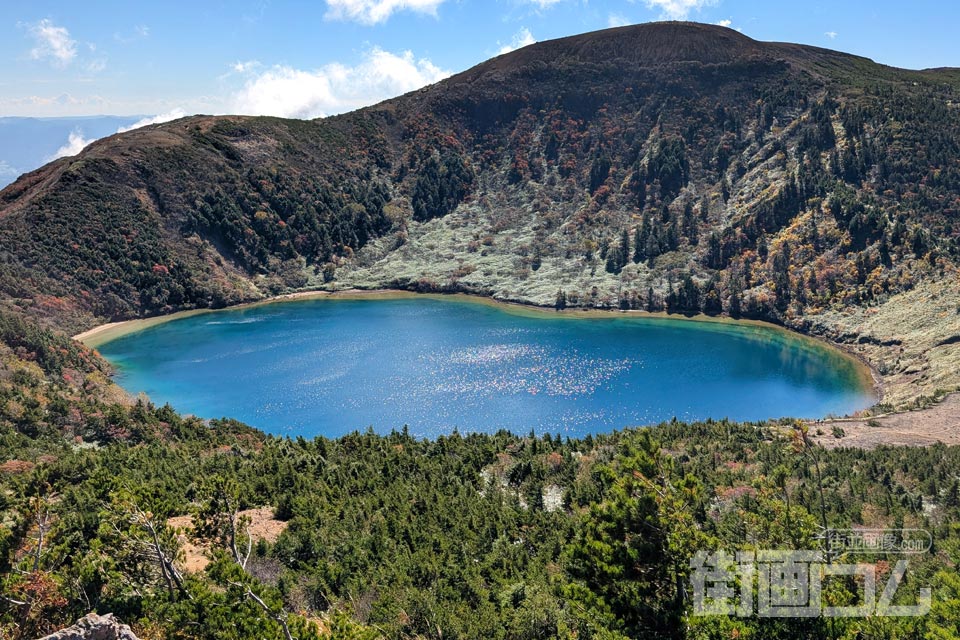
column 671, row 166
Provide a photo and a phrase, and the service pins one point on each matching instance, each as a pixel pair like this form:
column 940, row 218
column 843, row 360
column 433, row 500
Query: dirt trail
column 923, row 427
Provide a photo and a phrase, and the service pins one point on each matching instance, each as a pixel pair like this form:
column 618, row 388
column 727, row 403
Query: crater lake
column 438, row 363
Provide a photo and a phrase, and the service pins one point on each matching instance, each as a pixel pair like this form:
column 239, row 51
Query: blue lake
column 332, row 366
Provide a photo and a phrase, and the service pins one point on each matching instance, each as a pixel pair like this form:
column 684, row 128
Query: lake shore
column 925, row 427
column 104, row 333
column 112, row 330
column 918, row 427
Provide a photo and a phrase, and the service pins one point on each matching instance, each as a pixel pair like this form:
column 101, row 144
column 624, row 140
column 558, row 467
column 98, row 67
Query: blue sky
column 317, row 57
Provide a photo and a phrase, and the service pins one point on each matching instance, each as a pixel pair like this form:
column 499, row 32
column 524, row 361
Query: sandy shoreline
column 104, row 333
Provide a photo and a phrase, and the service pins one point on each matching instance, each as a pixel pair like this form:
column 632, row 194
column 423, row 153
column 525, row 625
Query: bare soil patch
column 923, row 427
column 263, row 526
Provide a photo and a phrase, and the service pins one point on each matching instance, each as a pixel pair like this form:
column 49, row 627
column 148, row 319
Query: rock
column 94, row 627
column 892, row 342
column 552, row 498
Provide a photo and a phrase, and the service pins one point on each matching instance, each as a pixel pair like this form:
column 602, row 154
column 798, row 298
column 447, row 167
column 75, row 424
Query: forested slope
column 386, row 536
column 664, row 166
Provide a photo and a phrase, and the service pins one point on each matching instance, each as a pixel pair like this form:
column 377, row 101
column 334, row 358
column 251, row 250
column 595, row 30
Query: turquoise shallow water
column 329, row 367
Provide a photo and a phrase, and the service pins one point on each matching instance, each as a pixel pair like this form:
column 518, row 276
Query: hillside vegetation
column 672, row 167
column 664, row 166
column 386, row 536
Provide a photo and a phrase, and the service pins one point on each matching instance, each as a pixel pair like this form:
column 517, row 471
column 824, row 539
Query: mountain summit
column 641, row 45
column 669, row 166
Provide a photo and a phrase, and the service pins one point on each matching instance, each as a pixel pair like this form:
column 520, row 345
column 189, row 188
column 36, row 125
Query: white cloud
column 723, row 23
column 85, row 104
column 543, row 4
column 6, row 171
column 139, row 32
column 334, row 88
column 74, row 145
column 377, row 11
column 678, row 9
column 616, row 20
column 48, row 105
column 53, row 43
column 831, row 34
column 76, row 142
column 244, row 67
column 163, row 117
column 520, row 39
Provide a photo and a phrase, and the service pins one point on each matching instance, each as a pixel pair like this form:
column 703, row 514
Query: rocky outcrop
column 95, row 627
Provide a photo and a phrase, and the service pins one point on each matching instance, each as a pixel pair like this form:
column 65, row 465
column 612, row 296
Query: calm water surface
column 328, row 367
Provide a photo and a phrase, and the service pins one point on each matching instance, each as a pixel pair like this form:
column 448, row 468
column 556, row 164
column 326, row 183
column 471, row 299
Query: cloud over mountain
column 335, row 88
column 74, row 145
